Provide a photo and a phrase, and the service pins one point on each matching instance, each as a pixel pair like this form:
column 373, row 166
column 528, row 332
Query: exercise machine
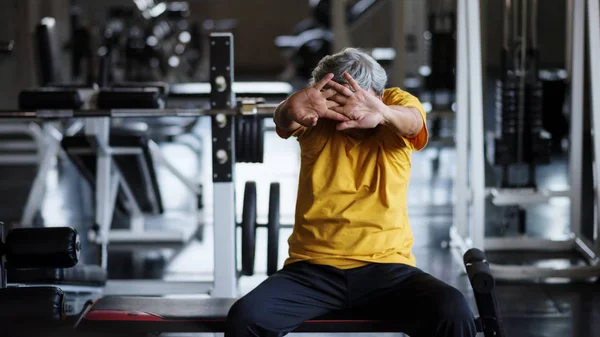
column 330, row 31
column 224, row 113
column 54, row 252
column 471, row 191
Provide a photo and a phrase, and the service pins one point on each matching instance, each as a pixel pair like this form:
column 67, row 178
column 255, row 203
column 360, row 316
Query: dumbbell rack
column 471, row 192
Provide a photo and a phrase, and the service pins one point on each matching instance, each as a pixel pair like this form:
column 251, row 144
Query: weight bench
column 145, row 315
column 47, row 257
column 134, row 161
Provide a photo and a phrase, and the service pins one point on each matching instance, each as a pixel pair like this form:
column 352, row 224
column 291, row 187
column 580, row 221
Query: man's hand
column 364, row 109
column 306, row 106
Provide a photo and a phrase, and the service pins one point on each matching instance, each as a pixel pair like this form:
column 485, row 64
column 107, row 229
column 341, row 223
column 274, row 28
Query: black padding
column 55, row 247
column 30, row 304
column 473, row 255
column 81, row 274
column 481, row 277
column 130, row 98
column 48, row 52
column 50, row 98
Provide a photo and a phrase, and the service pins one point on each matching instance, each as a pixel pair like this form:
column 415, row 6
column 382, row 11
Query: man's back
column 351, row 204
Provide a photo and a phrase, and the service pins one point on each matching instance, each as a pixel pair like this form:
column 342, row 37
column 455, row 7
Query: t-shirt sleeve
column 397, row 96
column 285, row 134
column 310, row 138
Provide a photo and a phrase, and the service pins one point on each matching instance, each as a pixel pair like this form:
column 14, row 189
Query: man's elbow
column 417, row 124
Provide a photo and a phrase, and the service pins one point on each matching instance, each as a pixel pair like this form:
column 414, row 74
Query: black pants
column 424, row 305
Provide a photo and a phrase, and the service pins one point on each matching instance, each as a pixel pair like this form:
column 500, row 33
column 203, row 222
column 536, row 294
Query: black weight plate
column 239, row 139
column 249, row 229
column 250, row 139
column 260, row 144
column 247, row 146
column 256, row 139
column 273, row 230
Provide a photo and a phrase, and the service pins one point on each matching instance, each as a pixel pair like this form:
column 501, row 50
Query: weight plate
column 255, row 139
column 239, row 139
column 273, row 230
column 249, row 228
column 260, row 144
column 247, row 146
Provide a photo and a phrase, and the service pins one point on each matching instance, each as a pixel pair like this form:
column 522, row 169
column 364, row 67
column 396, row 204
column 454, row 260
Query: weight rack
column 471, row 192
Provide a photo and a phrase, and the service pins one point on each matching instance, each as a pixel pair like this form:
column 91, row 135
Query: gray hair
column 361, row 66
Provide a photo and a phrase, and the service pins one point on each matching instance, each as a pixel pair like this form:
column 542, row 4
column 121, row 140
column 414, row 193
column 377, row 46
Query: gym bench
column 145, row 315
column 43, row 307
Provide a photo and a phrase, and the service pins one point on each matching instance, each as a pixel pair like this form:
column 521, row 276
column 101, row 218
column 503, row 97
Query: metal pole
column 223, row 155
column 462, row 122
column 594, row 58
column 476, row 126
column 576, row 137
column 100, row 128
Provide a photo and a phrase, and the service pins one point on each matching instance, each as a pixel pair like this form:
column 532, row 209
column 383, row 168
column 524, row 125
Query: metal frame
column 223, row 164
column 108, row 179
column 471, row 192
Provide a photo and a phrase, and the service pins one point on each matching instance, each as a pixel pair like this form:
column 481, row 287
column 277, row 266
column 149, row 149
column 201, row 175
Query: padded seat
column 31, row 304
column 84, row 275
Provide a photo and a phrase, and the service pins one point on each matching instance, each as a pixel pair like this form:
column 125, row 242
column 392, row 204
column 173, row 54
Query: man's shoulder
column 394, row 94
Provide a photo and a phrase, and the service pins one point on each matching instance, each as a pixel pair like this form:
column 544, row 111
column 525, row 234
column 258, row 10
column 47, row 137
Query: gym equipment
column 273, row 230
column 440, row 41
column 273, row 92
column 223, row 113
column 468, row 231
column 48, row 49
column 146, row 315
column 249, row 225
column 482, row 282
column 519, row 137
column 28, row 253
column 6, row 47
column 21, row 149
column 324, row 35
column 554, row 87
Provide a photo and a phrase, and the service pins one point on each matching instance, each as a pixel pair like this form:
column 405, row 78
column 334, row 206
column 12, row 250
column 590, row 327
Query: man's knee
column 452, row 305
column 243, row 311
column 242, row 319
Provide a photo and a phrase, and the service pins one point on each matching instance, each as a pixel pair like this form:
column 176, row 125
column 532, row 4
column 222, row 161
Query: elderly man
column 351, row 244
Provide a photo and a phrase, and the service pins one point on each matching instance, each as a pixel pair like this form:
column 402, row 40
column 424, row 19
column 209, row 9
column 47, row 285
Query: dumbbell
column 249, row 225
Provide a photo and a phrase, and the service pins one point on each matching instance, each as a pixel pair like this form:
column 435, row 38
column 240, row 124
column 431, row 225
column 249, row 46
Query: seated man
column 351, row 244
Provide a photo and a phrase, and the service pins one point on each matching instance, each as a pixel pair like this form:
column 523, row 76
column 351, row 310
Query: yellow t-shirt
column 351, row 204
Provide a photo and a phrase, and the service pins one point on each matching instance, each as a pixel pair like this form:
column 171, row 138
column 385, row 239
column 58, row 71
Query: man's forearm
column 405, row 121
column 282, row 119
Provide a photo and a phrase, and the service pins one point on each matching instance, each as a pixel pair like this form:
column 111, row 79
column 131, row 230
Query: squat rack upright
column 468, row 229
